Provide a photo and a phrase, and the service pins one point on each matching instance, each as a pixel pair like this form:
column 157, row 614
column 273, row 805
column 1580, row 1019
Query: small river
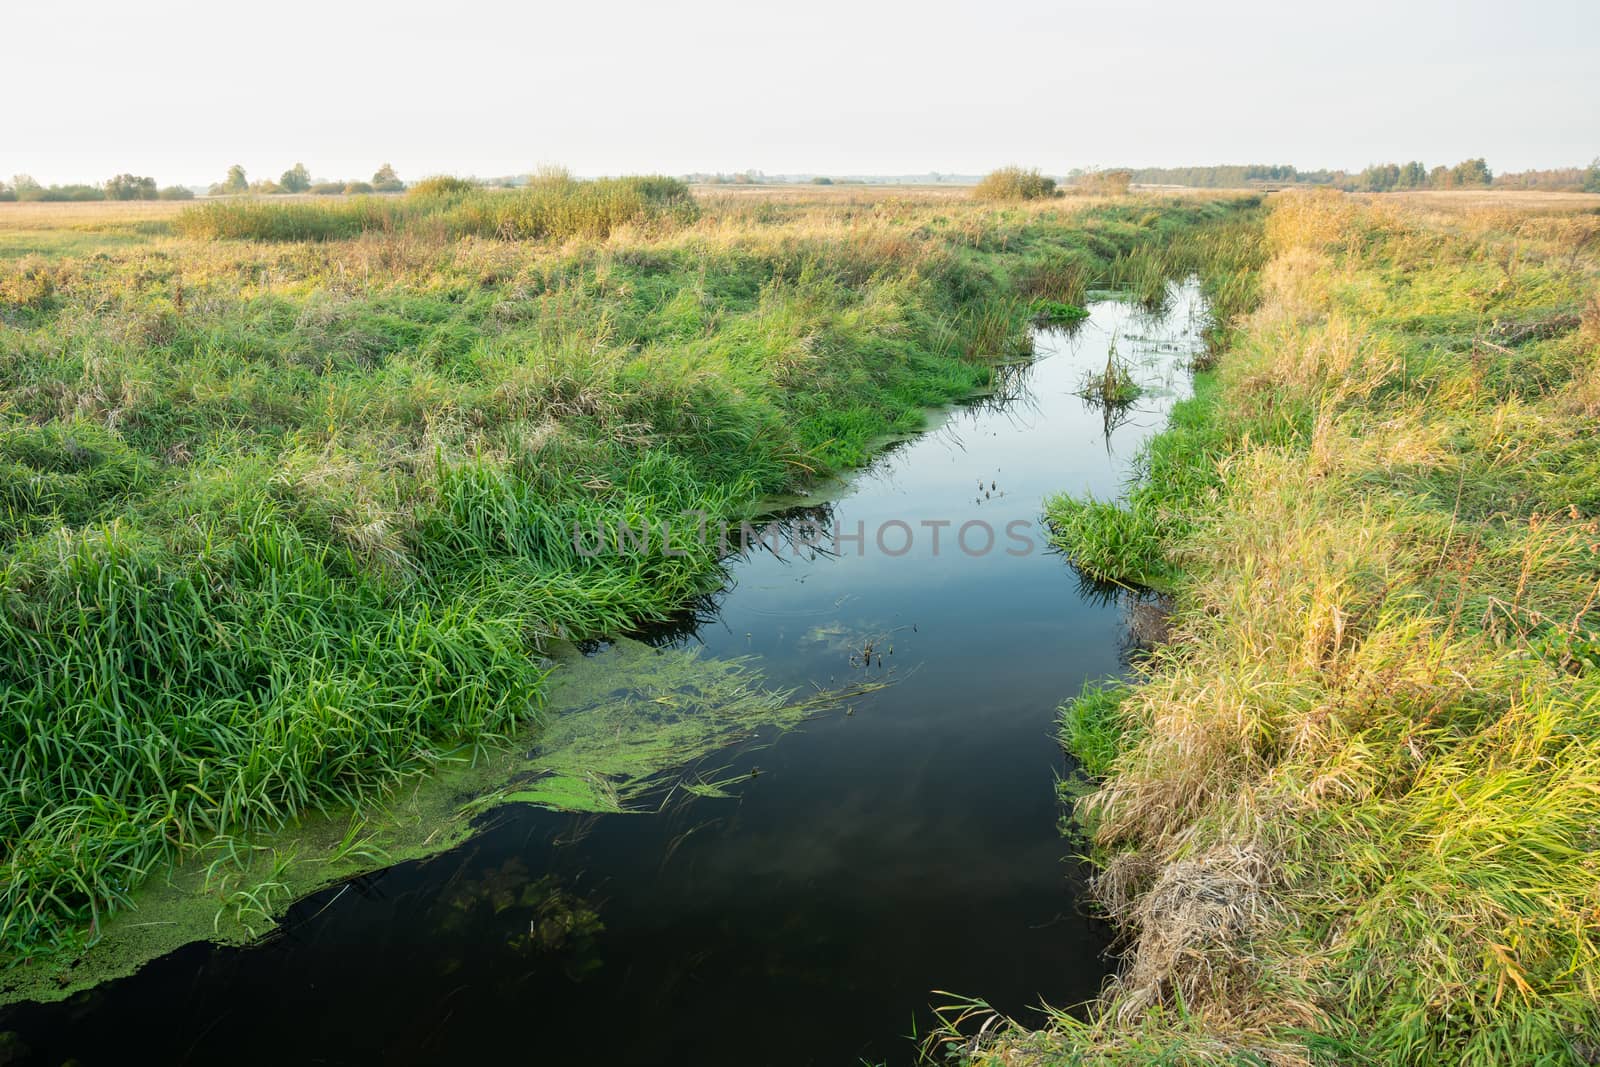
column 908, row 846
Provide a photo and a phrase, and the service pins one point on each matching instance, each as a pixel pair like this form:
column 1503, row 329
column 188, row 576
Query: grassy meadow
column 287, row 487
column 1349, row 813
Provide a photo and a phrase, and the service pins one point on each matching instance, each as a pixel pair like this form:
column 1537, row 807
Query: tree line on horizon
column 1376, row 178
column 298, row 180
column 23, row 188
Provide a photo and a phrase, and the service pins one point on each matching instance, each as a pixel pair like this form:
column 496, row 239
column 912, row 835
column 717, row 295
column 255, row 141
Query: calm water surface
column 910, row 846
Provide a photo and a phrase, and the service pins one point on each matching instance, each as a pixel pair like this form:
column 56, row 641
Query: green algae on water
column 620, row 726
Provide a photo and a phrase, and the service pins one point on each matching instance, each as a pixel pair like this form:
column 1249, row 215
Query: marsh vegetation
column 289, row 486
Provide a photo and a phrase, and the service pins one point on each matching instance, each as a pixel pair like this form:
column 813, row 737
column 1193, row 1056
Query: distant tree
column 821, row 180
column 7, row 194
column 1441, row 177
column 26, row 188
column 236, row 182
column 385, row 180
column 62, row 193
column 1379, row 178
column 176, row 192
column 265, row 187
column 296, row 179
column 131, row 187
column 1413, row 175
column 1472, row 172
column 1591, row 177
column 1566, row 179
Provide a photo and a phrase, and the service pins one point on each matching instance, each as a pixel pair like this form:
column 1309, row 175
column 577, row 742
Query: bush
column 819, row 180
column 1014, row 183
column 443, row 185
column 357, row 188
column 328, row 188
column 176, row 192
column 1106, row 182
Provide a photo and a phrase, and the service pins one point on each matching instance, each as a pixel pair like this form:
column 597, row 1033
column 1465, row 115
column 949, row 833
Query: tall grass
column 555, row 208
column 560, row 207
column 1348, row 813
column 242, row 218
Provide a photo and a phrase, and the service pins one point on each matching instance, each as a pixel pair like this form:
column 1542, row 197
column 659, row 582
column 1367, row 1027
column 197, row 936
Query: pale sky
column 179, row 90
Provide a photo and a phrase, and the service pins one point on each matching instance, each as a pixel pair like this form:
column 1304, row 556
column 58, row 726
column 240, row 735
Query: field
column 1348, row 813
column 289, row 487
column 289, row 490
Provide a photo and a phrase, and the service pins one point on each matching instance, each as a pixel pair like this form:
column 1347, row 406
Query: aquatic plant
column 1057, row 312
column 1112, row 387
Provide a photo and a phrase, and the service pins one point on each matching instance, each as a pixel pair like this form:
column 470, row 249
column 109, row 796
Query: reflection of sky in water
column 986, row 462
column 909, row 846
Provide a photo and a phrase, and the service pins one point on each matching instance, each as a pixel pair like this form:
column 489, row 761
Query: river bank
column 1348, row 808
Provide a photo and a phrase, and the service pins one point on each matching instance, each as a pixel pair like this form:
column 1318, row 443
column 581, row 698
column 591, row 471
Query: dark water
column 911, row 846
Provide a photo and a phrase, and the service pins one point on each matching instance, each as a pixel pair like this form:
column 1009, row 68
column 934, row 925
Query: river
column 909, row 844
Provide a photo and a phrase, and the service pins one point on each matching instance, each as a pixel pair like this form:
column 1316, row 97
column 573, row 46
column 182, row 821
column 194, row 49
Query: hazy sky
column 179, row 90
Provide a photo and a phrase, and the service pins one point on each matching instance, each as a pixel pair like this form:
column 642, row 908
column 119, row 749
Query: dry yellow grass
column 45, row 216
column 1514, row 199
column 1353, row 819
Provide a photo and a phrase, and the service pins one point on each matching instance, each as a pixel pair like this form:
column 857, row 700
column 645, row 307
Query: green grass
column 1058, row 312
column 281, row 523
column 1093, row 728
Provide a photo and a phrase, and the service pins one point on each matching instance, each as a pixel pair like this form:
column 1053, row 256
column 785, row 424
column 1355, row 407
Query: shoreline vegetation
column 288, row 484
column 1347, row 812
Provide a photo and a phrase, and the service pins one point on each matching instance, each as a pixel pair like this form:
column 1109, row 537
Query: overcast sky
column 179, row 90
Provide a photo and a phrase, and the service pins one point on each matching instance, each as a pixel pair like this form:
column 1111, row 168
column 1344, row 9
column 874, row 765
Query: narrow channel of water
column 908, row 846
